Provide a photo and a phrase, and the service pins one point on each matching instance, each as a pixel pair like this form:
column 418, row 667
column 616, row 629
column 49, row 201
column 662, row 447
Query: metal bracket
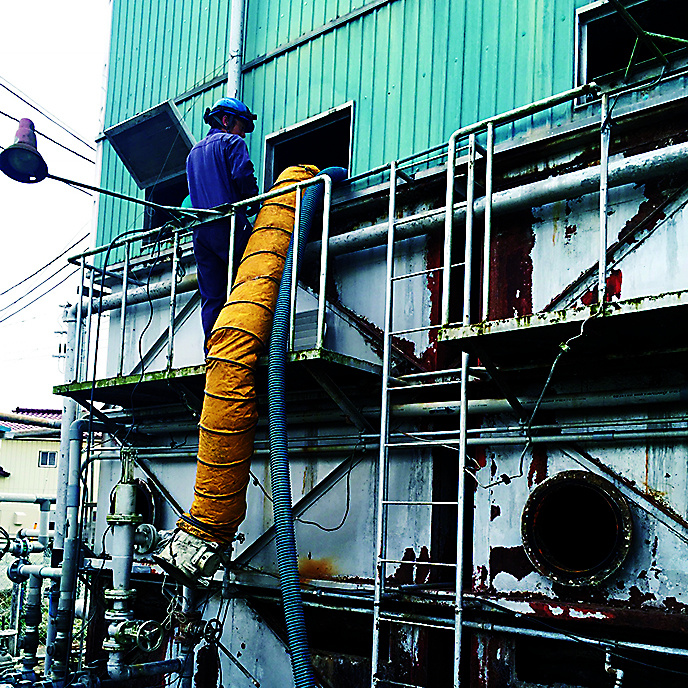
column 339, row 398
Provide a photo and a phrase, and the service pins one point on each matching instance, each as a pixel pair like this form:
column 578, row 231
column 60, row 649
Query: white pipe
column 40, row 571
column 236, row 40
column 25, row 498
column 637, row 168
column 605, row 130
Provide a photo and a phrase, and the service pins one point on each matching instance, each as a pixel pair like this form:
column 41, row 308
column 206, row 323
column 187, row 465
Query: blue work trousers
column 211, row 250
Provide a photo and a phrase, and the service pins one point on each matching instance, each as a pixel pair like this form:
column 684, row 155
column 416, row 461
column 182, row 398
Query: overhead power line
column 47, row 291
column 57, row 143
column 47, row 265
column 33, row 104
column 40, row 284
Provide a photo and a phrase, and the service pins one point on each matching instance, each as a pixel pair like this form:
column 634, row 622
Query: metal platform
column 160, row 387
column 634, row 327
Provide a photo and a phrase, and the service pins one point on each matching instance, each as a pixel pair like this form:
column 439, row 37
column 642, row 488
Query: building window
column 609, row 51
column 47, row 459
column 171, row 192
column 323, row 141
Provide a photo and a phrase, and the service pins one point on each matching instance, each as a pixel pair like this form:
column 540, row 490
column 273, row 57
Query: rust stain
column 674, row 606
column 511, row 560
column 422, row 572
column 511, row 269
column 316, row 569
column 495, row 512
column 613, row 289
column 404, row 574
column 481, row 456
column 480, row 579
column 538, row 466
column 636, row 598
column 434, row 284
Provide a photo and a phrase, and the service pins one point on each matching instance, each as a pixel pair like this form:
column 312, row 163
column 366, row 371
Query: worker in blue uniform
column 220, row 171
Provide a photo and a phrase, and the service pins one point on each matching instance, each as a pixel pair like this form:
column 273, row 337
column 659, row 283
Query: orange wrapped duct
column 239, row 337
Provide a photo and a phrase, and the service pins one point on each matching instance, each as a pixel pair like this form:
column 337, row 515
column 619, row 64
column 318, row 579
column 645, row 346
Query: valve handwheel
column 149, row 636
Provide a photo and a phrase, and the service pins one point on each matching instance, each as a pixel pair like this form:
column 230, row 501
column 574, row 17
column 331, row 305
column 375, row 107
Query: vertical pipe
column 448, row 226
column 605, row 135
column 79, row 317
column 123, row 308
column 89, row 318
column 294, row 271
column 487, row 243
column 69, row 411
column 65, row 607
column 380, row 550
column 324, row 245
column 470, row 216
column 123, row 523
column 173, row 299
column 236, row 40
column 230, row 265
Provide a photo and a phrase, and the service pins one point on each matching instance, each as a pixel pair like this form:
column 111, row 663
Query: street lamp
column 22, row 162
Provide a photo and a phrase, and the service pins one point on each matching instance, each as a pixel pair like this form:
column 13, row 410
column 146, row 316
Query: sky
column 56, row 55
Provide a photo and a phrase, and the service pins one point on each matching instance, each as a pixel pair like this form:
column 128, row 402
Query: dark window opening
column 607, row 42
column 323, row 141
column 172, row 192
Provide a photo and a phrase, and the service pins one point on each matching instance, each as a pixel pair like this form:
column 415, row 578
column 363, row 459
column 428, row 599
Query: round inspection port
column 576, row 528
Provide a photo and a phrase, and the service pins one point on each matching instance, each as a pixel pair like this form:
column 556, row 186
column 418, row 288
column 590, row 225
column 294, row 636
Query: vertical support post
column 230, row 265
column 487, row 242
column 294, row 270
column 381, row 545
column 448, row 226
column 470, row 216
column 605, row 135
column 123, row 307
column 463, row 420
column 324, row 247
column 173, row 299
column 461, row 489
column 89, row 318
column 236, row 40
column 79, row 323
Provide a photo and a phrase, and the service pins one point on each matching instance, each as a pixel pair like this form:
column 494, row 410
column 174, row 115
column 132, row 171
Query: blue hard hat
column 234, row 107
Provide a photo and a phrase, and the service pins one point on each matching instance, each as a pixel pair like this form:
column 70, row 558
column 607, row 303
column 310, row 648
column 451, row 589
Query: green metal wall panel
column 159, row 50
column 416, row 70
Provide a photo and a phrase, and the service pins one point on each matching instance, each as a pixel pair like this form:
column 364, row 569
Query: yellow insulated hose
column 240, row 335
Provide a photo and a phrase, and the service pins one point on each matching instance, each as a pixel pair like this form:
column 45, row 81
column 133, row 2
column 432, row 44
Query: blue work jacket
column 219, row 171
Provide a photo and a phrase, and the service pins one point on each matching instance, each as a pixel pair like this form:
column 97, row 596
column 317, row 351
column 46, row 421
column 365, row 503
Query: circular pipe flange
column 576, row 528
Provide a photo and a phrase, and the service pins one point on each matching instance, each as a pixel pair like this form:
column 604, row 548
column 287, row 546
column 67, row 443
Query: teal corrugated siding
column 417, row 70
column 159, row 49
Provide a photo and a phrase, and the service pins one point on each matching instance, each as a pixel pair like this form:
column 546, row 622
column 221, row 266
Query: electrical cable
column 57, row 143
column 40, row 296
column 40, row 109
column 33, row 289
column 33, row 274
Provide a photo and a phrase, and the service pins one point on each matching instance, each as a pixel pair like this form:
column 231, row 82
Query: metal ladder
column 382, row 614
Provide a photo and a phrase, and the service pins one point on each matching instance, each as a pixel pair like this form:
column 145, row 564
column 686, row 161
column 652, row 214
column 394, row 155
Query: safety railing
column 465, row 139
column 127, row 291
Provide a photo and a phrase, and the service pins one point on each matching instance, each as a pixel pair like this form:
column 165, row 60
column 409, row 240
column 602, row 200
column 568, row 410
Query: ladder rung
column 408, row 275
column 418, row 503
column 415, row 329
column 422, row 624
column 389, row 682
column 413, row 561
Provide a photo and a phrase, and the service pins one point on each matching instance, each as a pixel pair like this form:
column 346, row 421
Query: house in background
column 29, row 449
